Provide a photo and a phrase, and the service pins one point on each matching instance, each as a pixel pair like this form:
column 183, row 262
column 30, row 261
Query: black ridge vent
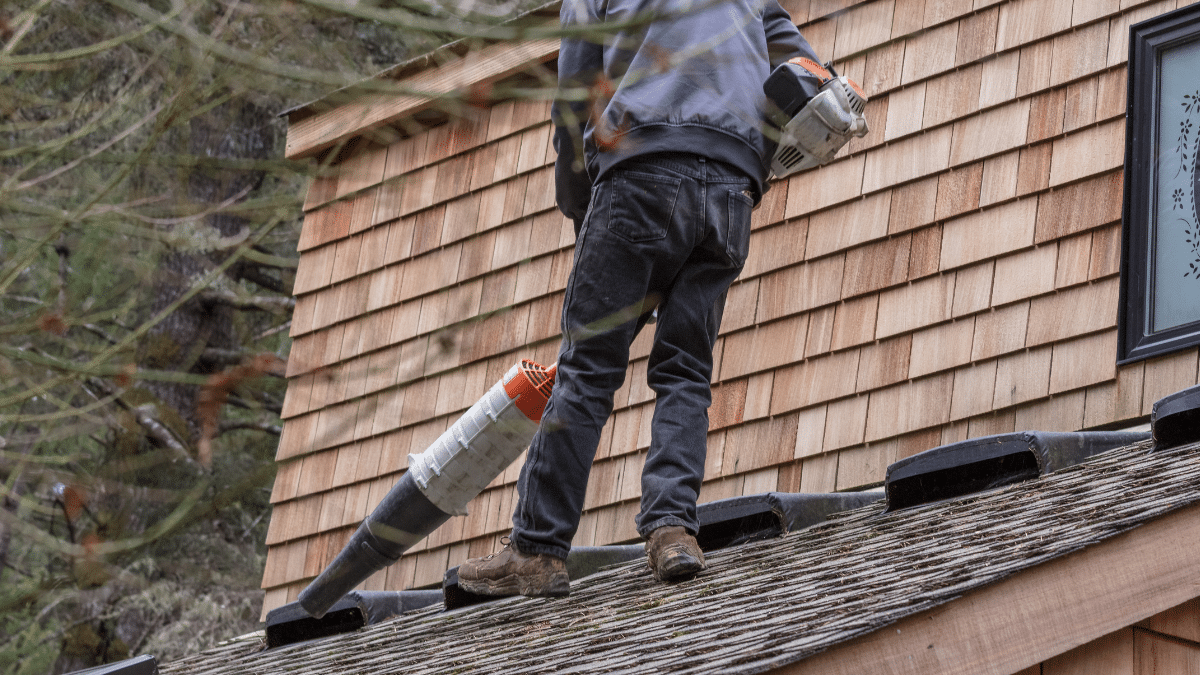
column 723, row 523
column 1175, row 419
column 139, row 665
column 290, row 624
column 456, row 596
column 728, row 522
column 581, row 562
column 587, row 560
column 983, row 463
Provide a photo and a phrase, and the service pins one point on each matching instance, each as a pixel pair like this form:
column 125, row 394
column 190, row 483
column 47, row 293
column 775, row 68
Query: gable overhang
column 381, row 103
column 1035, row 614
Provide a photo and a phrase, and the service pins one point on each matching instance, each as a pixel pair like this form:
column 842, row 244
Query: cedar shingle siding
column 952, row 274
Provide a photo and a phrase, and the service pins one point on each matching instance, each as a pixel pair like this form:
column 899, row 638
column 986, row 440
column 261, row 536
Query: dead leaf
column 52, row 322
column 125, row 376
column 216, row 391
column 74, row 499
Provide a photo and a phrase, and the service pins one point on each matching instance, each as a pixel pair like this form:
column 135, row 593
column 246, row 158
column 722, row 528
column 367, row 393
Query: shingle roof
column 765, row 604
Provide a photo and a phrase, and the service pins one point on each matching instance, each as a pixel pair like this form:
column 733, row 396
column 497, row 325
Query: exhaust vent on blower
column 989, row 462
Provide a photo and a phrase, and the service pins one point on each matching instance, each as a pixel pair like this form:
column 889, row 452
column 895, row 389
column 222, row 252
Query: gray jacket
column 644, row 76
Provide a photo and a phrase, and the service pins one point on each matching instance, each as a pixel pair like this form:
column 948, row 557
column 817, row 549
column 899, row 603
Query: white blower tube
column 440, row 481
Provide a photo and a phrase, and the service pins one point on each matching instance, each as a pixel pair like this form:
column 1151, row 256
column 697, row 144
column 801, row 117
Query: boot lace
column 505, row 543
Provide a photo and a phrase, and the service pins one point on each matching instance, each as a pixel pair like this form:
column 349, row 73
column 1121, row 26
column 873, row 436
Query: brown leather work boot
column 673, row 554
column 511, row 572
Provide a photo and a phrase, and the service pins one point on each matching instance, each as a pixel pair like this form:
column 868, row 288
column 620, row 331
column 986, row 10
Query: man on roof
column 662, row 155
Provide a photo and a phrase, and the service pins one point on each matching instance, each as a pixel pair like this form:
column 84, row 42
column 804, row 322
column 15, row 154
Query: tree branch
column 96, row 330
column 259, row 255
column 145, row 416
column 254, row 273
column 9, row 505
column 223, row 357
column 266, row 404
column 253, row 426
column 271, row 331
column 263, row 303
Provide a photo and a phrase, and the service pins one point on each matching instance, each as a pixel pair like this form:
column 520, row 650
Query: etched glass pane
column 1175, row 250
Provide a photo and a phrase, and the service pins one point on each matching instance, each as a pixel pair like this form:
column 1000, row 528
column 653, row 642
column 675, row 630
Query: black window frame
column 1147, row 40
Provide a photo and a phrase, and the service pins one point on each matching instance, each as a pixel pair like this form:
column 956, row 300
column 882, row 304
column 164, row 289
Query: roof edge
column 1036, row 614
column 416, row 84
column 415, row 64
column 319, row 132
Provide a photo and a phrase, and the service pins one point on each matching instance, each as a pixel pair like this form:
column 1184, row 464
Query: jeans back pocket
column 642, row 205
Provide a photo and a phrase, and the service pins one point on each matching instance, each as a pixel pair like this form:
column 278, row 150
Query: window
column 1160, row 255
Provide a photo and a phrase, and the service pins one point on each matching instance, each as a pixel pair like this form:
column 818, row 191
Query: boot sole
column 538, row 586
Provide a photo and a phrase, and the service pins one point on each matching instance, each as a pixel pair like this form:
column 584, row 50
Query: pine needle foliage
column 148, row 226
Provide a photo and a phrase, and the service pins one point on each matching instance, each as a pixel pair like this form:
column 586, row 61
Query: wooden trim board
column 1036, row 614
column 314, row 134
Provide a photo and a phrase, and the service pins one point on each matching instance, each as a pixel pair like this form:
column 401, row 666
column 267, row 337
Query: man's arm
column 784, row 40
column 580, row 63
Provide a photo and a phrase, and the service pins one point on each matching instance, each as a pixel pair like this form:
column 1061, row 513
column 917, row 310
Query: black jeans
column 669, row 231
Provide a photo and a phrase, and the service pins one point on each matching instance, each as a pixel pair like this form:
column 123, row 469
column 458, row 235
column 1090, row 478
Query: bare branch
column 242, row 403
column 223, row 357
column 272, row 429
column 255, row 274
column 271, row 331
column 146, row 417
column 261, row 256
column 99, row 332
column 263, row 303
column 9, row 505
column 64, row 252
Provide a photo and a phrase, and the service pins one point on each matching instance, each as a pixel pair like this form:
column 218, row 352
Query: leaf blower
column 817, row 111
column 440, row 481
